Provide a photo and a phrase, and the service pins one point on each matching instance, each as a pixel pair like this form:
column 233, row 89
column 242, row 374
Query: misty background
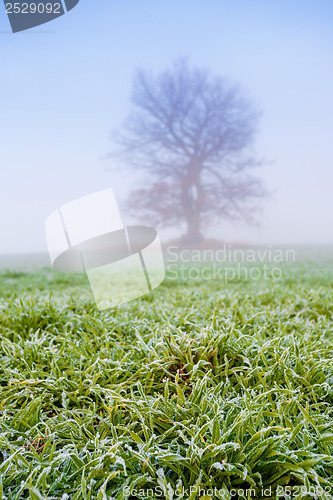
column 66, row 86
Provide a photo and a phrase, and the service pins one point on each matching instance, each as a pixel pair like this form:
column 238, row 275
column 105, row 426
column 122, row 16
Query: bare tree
column 191, row 132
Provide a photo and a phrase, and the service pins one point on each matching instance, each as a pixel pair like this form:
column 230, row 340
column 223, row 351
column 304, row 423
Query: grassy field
column 198, row 390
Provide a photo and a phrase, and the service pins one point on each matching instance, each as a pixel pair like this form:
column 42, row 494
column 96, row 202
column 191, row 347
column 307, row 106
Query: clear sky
column 65, row 87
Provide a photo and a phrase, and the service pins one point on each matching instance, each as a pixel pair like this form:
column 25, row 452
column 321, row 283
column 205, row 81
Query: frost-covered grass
column 197, row 385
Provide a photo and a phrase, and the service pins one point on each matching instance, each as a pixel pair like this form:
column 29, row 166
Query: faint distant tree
column 191, row 133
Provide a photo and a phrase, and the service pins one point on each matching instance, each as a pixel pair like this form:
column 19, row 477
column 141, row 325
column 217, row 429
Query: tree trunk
column 193, row 234
column 192, row 198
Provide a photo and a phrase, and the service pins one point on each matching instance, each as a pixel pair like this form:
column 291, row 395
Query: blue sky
column 65, row 87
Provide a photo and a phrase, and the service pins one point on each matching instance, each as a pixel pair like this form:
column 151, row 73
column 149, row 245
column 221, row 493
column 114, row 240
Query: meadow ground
column 198, row 390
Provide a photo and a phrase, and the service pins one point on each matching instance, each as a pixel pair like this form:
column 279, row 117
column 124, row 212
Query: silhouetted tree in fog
column 191, row 132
